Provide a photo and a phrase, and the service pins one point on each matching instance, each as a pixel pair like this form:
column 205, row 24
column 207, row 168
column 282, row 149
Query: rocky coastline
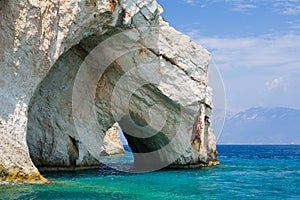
column 52, row 118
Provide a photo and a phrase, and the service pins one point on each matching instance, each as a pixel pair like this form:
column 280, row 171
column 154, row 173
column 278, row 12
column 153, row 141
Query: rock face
column 70, row 69
column 112, row 145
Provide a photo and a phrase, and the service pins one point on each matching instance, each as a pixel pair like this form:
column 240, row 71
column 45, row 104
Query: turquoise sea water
column 246, row 172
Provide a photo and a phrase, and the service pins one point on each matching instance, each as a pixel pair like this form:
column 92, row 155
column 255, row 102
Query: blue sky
column 254, row 43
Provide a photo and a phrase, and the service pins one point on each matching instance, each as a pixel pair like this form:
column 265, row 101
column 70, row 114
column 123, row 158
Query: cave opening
column 52, row 134
column 115, row 155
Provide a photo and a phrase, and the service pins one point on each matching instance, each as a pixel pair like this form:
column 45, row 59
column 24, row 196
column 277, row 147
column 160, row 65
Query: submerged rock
column 54, row 114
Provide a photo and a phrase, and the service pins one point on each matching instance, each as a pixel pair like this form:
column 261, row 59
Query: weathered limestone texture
column 43, row 47
column 112, row 145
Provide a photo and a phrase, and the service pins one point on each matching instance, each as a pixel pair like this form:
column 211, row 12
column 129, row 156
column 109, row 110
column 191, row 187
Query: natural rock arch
column 59, row 37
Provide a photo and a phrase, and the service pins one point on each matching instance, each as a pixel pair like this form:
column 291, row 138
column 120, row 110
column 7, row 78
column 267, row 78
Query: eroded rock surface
column 112, row 145
column 43, row 48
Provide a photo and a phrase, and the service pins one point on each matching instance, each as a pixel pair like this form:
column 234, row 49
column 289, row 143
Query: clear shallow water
column 246, row 172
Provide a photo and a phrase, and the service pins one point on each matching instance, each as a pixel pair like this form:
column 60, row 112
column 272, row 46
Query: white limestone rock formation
column 155, row 86
column 112, row 145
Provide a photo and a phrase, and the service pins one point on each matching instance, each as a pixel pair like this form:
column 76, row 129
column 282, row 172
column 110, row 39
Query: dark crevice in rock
column 73, row 151
column 80, row 51
column 121, row 17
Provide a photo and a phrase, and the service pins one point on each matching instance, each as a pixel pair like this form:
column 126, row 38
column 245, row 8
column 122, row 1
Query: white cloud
column 244, row 7
column 190, row 2
column 276, row 83
column 295, row 25
column 257, row 70
column 269, row 51
column 288, row 7
column 285, row 7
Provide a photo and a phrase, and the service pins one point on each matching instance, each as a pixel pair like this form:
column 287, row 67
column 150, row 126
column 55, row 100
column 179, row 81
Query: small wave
column 9, row 183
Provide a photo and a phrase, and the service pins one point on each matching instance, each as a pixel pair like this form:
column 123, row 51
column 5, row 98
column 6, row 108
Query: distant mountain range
column 262, row 126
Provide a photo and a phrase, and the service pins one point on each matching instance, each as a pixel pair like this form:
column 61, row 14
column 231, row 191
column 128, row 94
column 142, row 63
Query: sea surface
column 246, row 172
